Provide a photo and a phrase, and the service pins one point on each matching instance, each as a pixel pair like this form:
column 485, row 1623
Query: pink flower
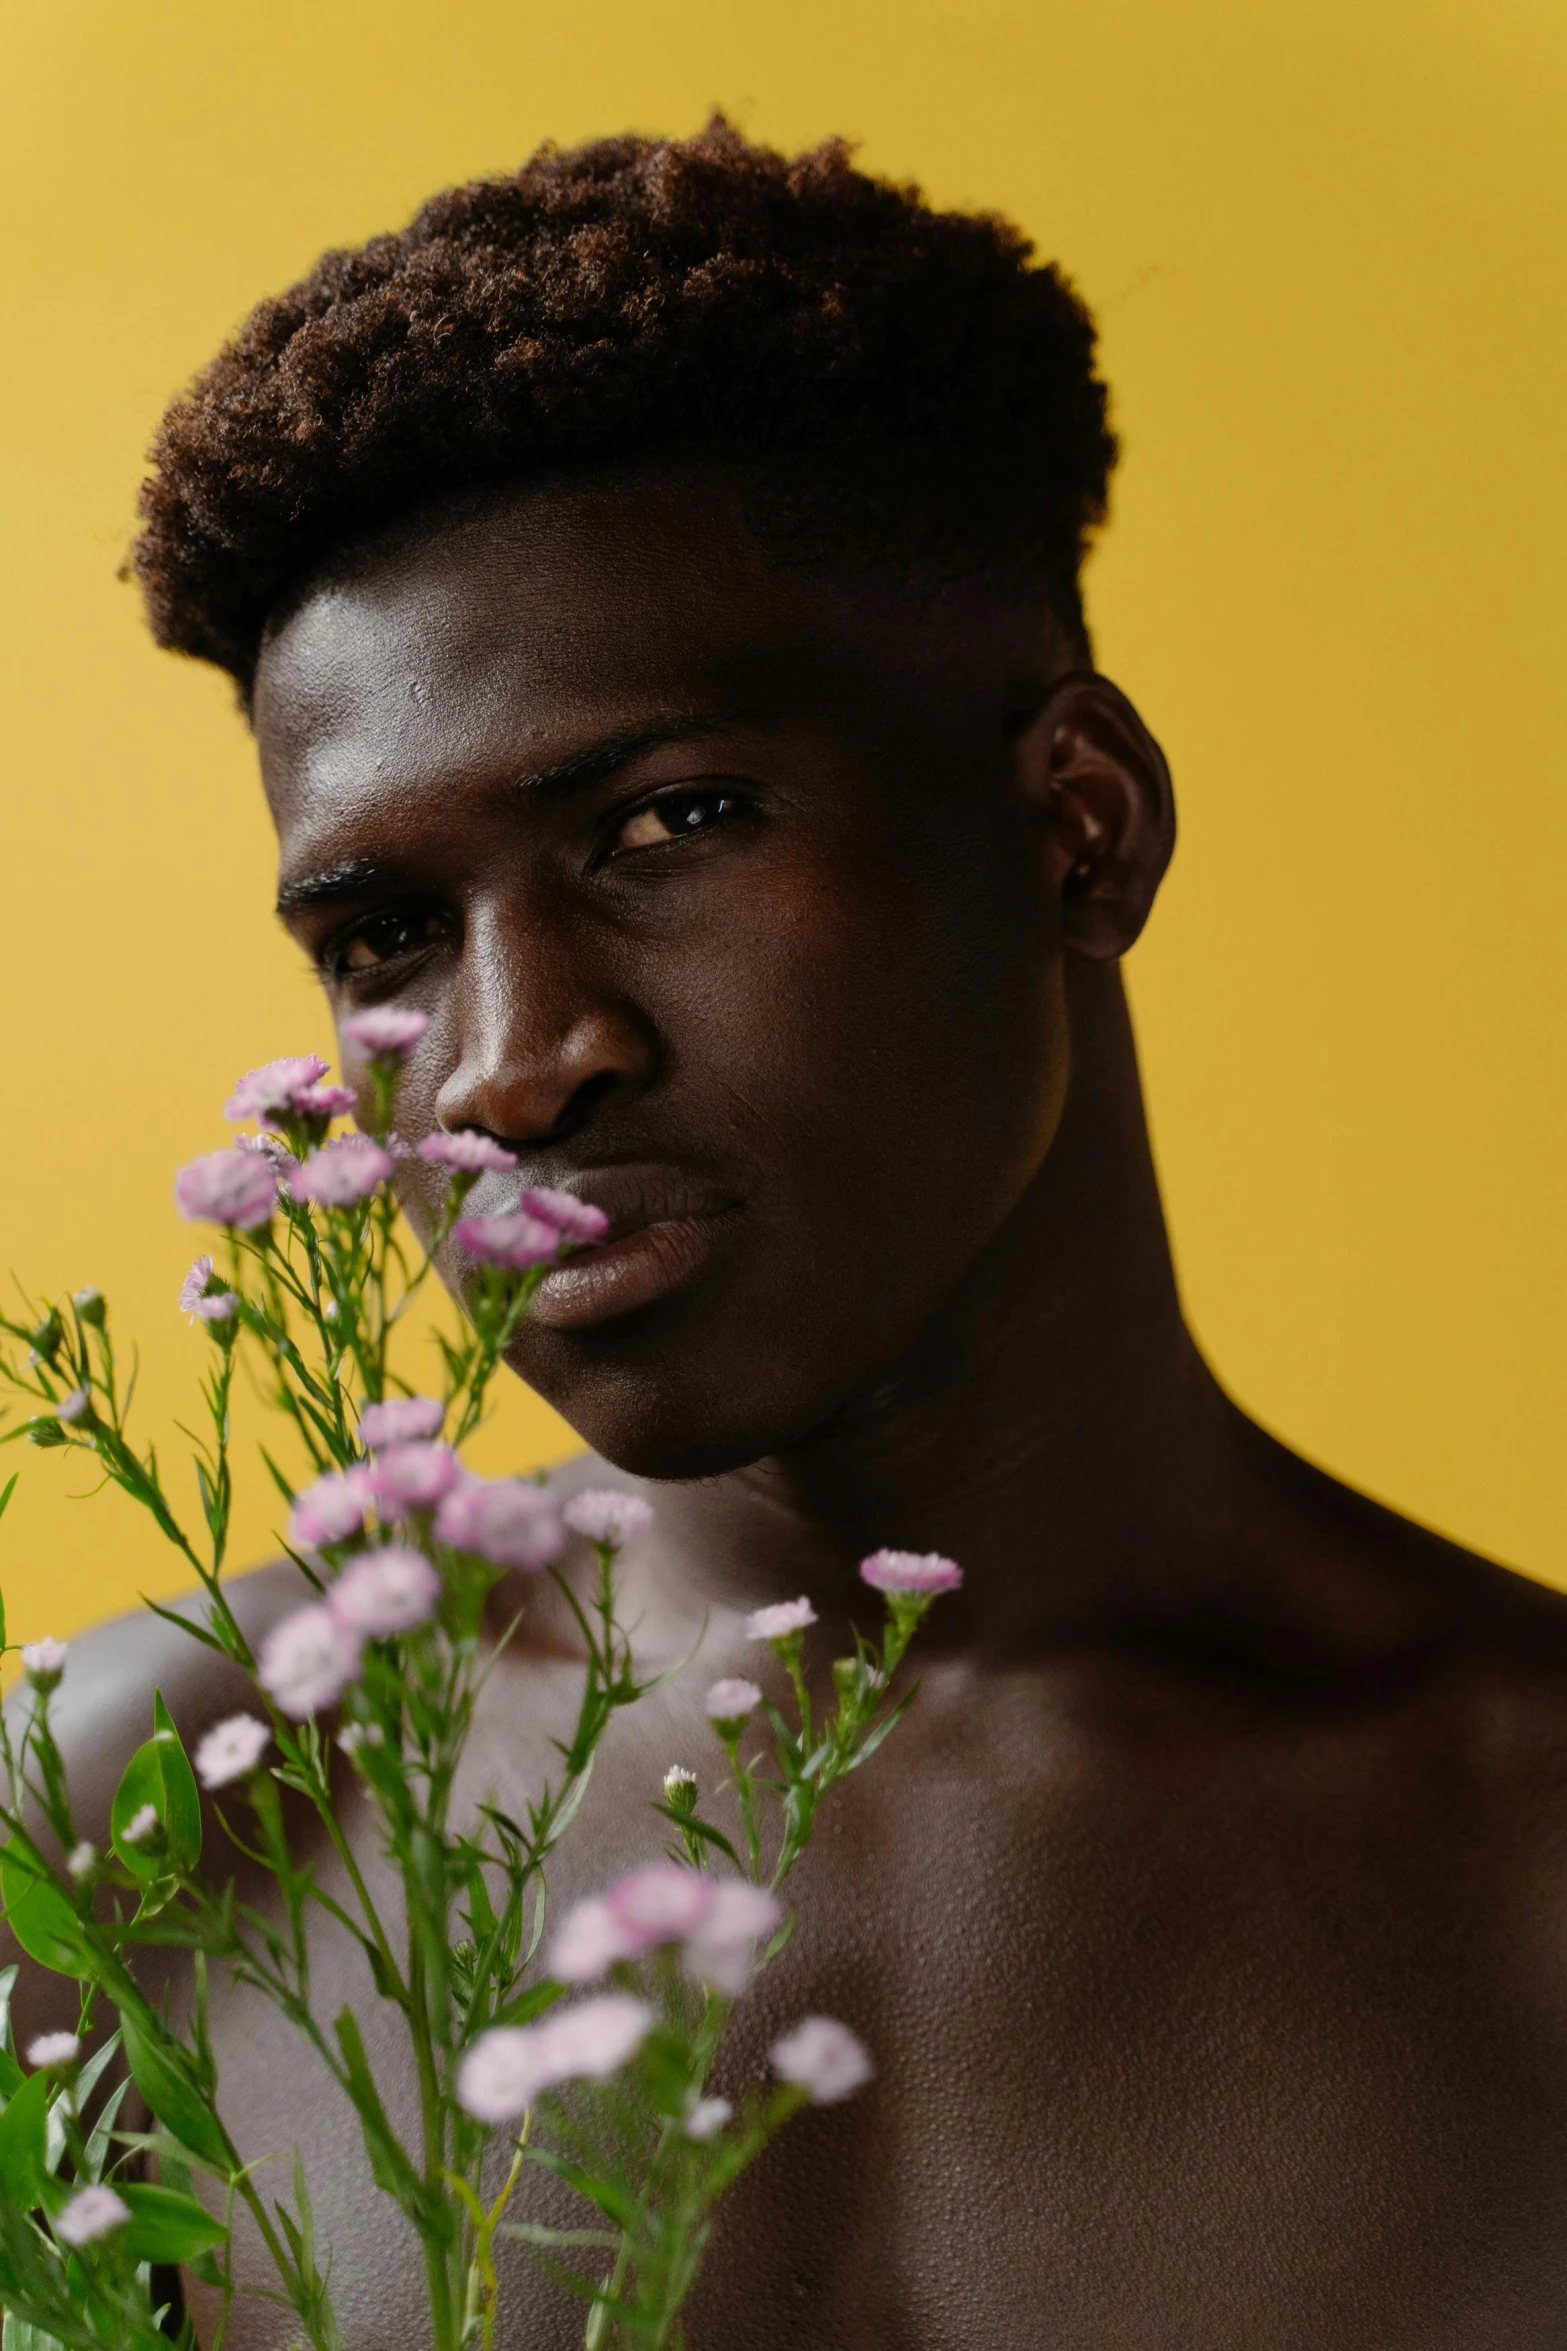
column 607, row 1517
column 401, row 1420
column 824, row 2059
column 271, row 1092
column 231, row 1750
column 332, row 1509
column 732, row 1700
column 91, row 2213
column 307, row 1660
column 503, row 2073
column 43, row 1661
column 413, row 1477
column 589, row 1940
column 517, row 1241
column 385, row 1028
column 227, row 1187
column 72, row 1407
column 594, row 2039
column 662, row 1903
column 340, row 1173
column 470, row 1153
column 910, row 1571
column 270, row 1148
column 325, row 1101
column 385, row 1591
column 705, row 2116
column 51, row 2051
column 507, row 1521
column 721, row 1951
column 776, row 1624
column 195, row 1301
column 509, row 2066
column 577, row 1221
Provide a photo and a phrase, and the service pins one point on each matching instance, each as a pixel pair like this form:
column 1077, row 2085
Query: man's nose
column 543, row 1042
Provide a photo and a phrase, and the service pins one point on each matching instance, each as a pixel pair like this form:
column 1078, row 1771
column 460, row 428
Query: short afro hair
column 635, row 296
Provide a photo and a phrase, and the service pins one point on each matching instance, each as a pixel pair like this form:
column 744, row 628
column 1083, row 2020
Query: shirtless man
column 653, row 586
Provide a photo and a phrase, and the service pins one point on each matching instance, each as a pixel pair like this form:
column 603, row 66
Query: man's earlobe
column 1099, row 786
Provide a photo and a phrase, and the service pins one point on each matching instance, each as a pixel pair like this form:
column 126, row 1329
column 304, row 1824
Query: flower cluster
column 716, row 1923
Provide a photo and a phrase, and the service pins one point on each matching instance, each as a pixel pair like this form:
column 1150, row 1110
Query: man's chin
column 663, row 1426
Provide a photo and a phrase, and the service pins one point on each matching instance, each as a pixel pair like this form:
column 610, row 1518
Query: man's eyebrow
column 352, row 877
column 597, row 760
column 349, row 879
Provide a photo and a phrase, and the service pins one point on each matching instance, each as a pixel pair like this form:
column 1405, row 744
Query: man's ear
column 1098, row 784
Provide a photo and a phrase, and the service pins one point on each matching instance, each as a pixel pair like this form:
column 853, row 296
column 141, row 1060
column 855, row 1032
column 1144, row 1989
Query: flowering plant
column 588, row 2056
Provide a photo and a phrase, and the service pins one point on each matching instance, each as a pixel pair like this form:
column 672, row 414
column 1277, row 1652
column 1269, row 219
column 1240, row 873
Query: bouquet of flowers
column 581, row 2048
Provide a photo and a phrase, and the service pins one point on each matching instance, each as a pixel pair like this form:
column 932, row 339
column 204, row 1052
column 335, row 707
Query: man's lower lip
column 622, row 1275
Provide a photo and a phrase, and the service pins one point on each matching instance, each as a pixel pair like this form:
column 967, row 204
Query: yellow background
column 1325, row 240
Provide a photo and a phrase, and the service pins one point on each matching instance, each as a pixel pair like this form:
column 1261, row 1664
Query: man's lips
column 662, row 1223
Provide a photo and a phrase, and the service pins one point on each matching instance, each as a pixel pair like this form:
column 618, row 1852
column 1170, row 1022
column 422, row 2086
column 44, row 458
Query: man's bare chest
column 1149, row 2073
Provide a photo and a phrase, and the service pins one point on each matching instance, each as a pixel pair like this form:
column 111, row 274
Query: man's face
column 714, row 880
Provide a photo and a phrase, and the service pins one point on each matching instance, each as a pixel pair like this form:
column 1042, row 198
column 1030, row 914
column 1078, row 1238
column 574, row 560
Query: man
column 653, row 585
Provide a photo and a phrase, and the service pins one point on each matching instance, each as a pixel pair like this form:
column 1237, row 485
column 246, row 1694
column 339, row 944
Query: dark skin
column 1206, row 1914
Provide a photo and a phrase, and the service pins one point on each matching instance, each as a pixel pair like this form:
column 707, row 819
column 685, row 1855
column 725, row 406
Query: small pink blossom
column 413, row 1477
column 663, row 1903
column 271, row 1092
column 503, row 2073
column 401, row 1420
column 507, row 1521
column 43, row 1661
column 231, row 1750
column 517, row 1241
column 307, row 1660
column 271, row 1148
column 706, row 2116
column 594, row 2039
column 577, row 1221
column 325, row 1101
column 509, row 2066
column 608, row 1517
column 385, row 1591
column 721, row 1952
column 588, row 1941
column 823, row 2058
column 332, row 1509
column 732, row 1700
column 777, row 1623
column 51, row 2051
column 73, row 1406
column 235, row 1187
column 468, row 1151
column 386, row 1028
column 924, row 1572
column 341, row 1173
column 92, row 2213
column 195, row 1301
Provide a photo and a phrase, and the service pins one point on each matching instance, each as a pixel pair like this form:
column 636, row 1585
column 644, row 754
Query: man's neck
column 1054, row 1429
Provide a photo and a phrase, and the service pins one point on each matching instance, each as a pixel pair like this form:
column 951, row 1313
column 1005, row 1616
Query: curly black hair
column 641, row 295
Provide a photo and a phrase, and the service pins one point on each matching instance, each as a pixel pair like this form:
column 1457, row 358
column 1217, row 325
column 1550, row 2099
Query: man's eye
column 675, row 816
column 382, row 939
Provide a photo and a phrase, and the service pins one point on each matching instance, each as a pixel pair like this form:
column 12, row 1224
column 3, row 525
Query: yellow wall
column 1325, row 238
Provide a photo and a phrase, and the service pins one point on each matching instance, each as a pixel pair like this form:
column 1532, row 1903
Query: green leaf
column 184, row 1813
column 23, row 2128
column 390, row 2167
column 161, row 2071
column 38, row 1913
column 531, row 2003
column 160, row 1775
column 166, row 2226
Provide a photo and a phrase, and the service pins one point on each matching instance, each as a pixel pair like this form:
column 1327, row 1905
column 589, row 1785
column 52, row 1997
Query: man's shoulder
column 103, row 1709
